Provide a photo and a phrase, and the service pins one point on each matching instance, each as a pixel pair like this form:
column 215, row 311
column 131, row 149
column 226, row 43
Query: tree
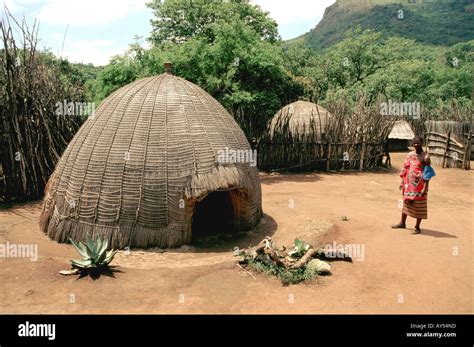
column 178, row 21
column 229, row 48
column 122, row 69
column 246, row 74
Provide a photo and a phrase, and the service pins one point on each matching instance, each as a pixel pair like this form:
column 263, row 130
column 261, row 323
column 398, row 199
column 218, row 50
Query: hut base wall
column 396, row 145
column 244, row 191
column 120, row 236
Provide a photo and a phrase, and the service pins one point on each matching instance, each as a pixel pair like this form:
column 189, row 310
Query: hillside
column 437, row 22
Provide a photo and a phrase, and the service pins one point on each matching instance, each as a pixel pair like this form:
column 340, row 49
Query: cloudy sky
column 94, row 30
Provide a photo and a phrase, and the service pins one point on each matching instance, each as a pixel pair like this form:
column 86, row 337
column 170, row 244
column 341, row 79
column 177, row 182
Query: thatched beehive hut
column 144, row 171
column 293, row 139
column 299, row 120
column 400, row 136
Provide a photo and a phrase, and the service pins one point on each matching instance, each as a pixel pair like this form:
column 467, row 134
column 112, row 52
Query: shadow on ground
column 226, row 242
column 436, row 234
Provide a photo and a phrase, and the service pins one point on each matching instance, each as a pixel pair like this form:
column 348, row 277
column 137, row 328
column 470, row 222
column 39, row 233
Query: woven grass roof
column 134, row 171
column 402, row 131
column 299, row 119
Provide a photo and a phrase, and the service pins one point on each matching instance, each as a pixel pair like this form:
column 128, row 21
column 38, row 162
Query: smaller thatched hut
column 304, row 136
column 294, row 138
column 400, row 136
column 298, row 121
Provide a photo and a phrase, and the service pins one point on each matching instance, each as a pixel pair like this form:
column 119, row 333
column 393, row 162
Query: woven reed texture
column 134, row 171
column 294, row 138
column 402, row 131
column 299, row 119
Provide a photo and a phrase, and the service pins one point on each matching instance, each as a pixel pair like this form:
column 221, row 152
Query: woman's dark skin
column 424, row 158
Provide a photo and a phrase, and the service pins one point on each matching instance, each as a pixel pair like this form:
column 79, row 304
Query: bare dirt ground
column 400, row 273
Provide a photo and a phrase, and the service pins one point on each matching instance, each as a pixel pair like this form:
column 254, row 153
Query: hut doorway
column 213, row 215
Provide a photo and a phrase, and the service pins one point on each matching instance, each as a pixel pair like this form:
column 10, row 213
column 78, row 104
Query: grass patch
column 286, row 276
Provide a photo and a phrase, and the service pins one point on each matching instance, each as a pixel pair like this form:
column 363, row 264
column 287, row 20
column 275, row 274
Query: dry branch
column 304, row 259
column 267, row 253
column 32, row 136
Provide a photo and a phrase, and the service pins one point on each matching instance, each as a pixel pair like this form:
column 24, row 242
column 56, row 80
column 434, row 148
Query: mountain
column 436, row 22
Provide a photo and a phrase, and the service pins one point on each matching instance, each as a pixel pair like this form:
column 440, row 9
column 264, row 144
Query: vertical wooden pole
column 428, row 141
column 466, row 163
column 362, row 156
column 328, row 161
column 446, row 148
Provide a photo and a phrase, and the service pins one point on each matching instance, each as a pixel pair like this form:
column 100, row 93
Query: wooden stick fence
column 448, row 143
column 346, row 140
column 447, row 152
column 32, row 135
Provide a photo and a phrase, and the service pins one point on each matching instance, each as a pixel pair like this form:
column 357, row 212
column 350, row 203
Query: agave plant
column 94, row 254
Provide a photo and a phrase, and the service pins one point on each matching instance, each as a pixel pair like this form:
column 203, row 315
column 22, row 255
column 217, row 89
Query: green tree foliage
column 394, row 68
column 246, row 69
column 121, row 70
column 74, row 77
column 178, row 21
column 245, row 73
column 237, row 59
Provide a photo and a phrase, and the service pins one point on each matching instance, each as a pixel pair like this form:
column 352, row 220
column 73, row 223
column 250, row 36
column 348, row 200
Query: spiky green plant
column 94, row 254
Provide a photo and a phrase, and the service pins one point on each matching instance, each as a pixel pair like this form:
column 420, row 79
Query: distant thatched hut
column 400, row 136
column 144, row 171
column 294, row 137
column 299, row 120
column 304, row 136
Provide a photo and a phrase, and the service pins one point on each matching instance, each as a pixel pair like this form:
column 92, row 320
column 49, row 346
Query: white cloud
column 88, row 12
column 22, row 5
column 294, row 18
column 78, row 12
column 285, row 12
column 97, row 52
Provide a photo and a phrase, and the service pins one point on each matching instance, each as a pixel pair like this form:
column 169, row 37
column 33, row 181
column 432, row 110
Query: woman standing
column 414, row 186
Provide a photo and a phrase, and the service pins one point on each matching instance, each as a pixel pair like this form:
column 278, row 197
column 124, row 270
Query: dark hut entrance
column 214, row 215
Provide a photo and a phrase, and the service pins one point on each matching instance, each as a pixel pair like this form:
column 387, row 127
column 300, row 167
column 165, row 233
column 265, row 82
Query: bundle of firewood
column 302, row 256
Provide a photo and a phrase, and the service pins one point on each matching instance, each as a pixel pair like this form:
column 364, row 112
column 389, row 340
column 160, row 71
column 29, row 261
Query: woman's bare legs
column 417, row 226
column 402, row 224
